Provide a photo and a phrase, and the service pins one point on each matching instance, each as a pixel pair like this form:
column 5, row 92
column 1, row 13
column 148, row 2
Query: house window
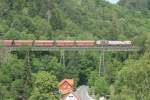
column 72, row 98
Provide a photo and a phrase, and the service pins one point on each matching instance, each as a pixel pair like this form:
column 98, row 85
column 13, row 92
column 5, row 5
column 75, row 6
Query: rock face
column 82, row 92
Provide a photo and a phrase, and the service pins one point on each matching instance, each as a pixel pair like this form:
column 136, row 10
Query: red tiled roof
column 69, row 81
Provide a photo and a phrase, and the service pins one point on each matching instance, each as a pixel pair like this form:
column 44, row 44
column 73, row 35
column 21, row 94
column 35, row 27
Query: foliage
column 135, row 77
column 44, row 86
column 37, row 77
column 98, row 84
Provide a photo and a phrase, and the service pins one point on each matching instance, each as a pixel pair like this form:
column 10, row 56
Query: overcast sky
column 113, row 1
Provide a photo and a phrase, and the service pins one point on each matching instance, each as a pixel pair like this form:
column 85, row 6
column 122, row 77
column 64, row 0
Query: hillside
column 127, row 74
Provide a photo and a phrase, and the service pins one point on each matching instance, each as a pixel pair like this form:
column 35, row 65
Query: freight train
column 63, row 43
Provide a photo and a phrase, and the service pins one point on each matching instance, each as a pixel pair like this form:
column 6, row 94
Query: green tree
column 11, row 77
column 44, row 86
column 98, row 84
column 135, row 77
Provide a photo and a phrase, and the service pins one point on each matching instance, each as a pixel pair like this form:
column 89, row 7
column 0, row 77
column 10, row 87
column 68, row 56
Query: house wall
column 71, row 97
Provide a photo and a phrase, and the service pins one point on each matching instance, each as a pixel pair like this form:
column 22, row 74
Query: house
column 70, row 96
column 66, row 86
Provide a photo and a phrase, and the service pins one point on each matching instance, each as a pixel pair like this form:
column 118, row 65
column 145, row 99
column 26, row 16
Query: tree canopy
column 127, row 75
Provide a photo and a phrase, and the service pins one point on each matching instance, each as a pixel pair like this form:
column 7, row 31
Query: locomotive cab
column 102, row 42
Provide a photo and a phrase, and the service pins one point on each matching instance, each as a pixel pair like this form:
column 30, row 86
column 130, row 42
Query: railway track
column 100, row 48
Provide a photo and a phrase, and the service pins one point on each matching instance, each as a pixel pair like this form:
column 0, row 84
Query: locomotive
column 63, row 43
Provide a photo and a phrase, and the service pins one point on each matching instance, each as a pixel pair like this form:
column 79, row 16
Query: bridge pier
column 62, row 57
column 102, row 62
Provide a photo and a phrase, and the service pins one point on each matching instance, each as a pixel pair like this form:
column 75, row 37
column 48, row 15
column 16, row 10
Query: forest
column 127, row 74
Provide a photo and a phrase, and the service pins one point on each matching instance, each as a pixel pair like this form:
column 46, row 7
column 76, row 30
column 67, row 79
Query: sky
column 113, row 1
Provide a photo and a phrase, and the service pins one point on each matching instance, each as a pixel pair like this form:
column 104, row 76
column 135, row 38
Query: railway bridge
column 62, row 49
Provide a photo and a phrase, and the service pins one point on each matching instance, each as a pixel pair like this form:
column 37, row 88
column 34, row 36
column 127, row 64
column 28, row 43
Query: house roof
column 69, row 81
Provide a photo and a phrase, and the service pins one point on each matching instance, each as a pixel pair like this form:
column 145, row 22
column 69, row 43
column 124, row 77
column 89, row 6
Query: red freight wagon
column 64, row 43
column 6, row 42
column 23, row 42
column 44, row 43
column 85, row 43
